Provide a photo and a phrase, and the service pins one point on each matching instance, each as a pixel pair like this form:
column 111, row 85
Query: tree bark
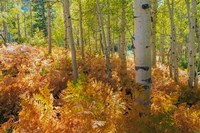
column 191, row 47
column 25, row 30
column 107, row 57
column 108, row 27
column 143, row 51
column 153, row 30
column 122, row 53
column 173, row 50
column 18, row 27
column 198, row 41
column 49, row 27
column 162, row 49
column 71, row 42
column 5, row 26
column 31, row 18
column 81, row 30
column 65, row 23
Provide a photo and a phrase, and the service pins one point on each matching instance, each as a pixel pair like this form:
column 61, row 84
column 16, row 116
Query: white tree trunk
column 191, row 47
column 108, row 27
column 107, row 57
column 173, row 49
column 153, row 31
column 81, row 30
column 194, row 3
column 143, row 50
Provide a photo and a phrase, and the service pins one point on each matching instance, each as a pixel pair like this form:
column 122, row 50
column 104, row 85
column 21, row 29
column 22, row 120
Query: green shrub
column 184, row 63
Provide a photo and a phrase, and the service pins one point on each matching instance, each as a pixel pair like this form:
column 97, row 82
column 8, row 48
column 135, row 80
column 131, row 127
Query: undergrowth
column 37, row 95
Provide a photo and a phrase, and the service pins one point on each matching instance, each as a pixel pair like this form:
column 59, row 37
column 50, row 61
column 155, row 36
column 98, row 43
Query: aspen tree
column 108, row 27
column 122, row 49
column 18, row 23
column 191, row 47
column 31, row 19
column 65, row 23
column 107, row 57
column 5, row 25
column 18, row 27
column 143, row 50
column 153, row 30
column 49, row 27
column 198, row 39
column 71, row 42
column 173, row 50
column 25, row 31
column 81, row 30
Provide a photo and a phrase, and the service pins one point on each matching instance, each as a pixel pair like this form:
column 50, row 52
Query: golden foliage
column 37, row 95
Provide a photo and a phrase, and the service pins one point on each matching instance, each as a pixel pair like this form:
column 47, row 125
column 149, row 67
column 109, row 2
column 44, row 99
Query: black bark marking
column 145, row 68
column 147, row 46
column 133, row 46
column 151, row 19
column 145, row 6
column 135, row 16
column 147, row 80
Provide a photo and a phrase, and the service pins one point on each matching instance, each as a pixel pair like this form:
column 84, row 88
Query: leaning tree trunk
column 143, row 51
column 81, row 30
column 49, row 27
column 173, row 52
column 71, row 42
column 153, row 31
column 107, row 57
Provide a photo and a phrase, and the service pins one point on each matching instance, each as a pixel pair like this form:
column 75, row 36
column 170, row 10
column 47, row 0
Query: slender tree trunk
column 153, row 31
column 89, row 41
column 101, row 44
column 198, row 41
column 108, row 27
column 107, row 57
column 96, row 39
column 162, row 49
column 49, row 27
column 65, row 23
column 25, row 30
column 143, row 51
column 5, row 26
column 71, row 42
column 18, row 27
column 191, row 47
column 173, row 49
column 31, row 18
column 122, row 53
column 81, row 30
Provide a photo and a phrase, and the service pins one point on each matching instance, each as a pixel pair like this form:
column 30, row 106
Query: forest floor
column 37, row 95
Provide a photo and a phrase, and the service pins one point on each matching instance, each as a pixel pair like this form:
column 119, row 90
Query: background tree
column 71, row 42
